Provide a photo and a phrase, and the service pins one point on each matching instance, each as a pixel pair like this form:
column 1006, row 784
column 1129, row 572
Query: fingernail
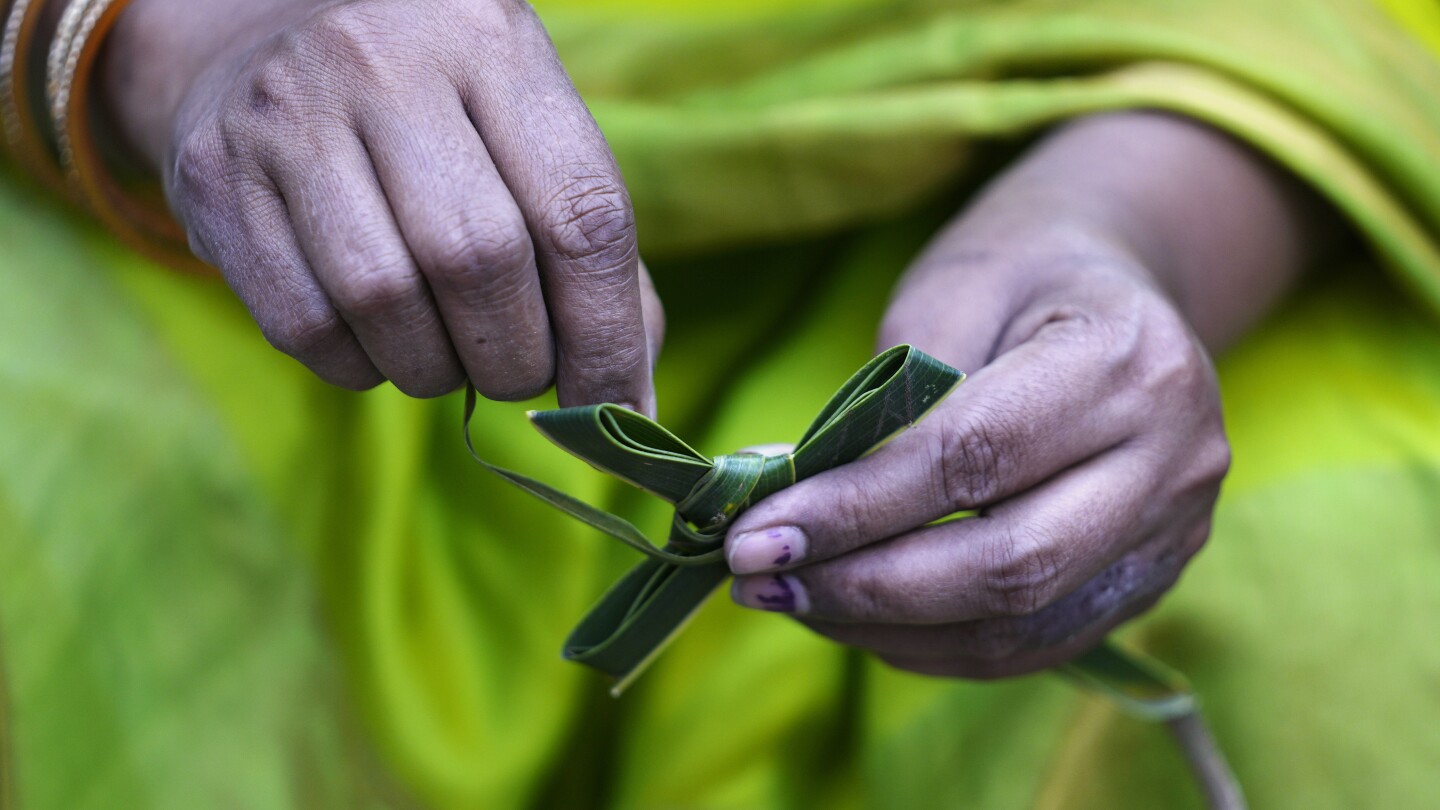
column 767, row 550
column 777, row 593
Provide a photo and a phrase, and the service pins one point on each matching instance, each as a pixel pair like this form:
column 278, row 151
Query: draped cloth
column 225, row 584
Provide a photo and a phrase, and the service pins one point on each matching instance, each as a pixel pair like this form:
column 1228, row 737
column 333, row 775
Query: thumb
column 654, row 313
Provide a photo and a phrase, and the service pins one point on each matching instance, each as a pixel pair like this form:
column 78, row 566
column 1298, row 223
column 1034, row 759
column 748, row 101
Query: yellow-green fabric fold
column 225, row 584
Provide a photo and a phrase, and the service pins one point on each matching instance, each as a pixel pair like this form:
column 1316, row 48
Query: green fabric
column 224, row 584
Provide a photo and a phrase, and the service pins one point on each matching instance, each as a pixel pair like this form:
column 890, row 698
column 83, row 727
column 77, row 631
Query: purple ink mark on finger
column 783, row 602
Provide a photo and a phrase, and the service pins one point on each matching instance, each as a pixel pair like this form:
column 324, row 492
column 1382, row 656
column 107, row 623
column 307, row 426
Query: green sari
column 223, row 583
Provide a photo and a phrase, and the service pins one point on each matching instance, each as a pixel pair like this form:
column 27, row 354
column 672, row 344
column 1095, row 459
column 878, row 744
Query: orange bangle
column 143, row 223
column 23, row 133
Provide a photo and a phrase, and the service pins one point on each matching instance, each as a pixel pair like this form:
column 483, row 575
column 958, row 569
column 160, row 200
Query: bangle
column 142, row 222
column 23, row 131
column 12, row 20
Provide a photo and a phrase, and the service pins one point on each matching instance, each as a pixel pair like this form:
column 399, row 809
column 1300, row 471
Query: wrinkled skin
column 412, row 190
column 1093, row 443
column 403, row 191
column 1090, row 439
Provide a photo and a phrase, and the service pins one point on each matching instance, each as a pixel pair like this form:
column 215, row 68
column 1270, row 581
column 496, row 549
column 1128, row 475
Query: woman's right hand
column 408, row 190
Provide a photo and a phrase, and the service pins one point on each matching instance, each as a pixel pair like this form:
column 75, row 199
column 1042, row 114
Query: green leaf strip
column 1138, row 685
column 649, row 606
column 642, row 612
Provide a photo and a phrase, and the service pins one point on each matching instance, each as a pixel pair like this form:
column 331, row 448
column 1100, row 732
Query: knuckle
column 359, row 36
column 200, row 165
column 971, row 465
column 1180, row 376
column 855, row 509
column 304, row 334
column 506, row 22
column 270, row 93
column 1150, row 356
column 479, row 254
column 375, row 292
column 1125, row 319
column 294, row 83
column 1168, row 362
column 589, row 221
column 1021, row 575
column 1078, row 325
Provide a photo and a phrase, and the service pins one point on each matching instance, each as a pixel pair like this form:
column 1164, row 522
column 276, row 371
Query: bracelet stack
column 49, row 125
column 21, row 116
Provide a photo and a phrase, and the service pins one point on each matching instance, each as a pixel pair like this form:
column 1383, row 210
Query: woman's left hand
column 1090, row 440
column 1079, row 287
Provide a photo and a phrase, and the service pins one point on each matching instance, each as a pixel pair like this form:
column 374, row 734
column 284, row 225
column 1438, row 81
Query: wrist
column 1221, row 231
column 1030, row 245
column 158, row 53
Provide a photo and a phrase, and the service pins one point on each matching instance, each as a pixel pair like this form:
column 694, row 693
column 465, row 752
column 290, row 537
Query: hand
column 1079, row 287
column 403, row 190
column 1090, row 440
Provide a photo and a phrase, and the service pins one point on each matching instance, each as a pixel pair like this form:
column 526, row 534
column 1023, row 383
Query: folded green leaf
column 1138, row 685
column 643, row 611
column 649, row 606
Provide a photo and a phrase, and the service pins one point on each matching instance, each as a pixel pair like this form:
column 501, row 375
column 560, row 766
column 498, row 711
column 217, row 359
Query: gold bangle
column 23, row 133
column 144, row 224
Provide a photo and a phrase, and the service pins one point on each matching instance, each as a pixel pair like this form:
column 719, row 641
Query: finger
column 1024, row 662
column 654, row 311
column 468, row 238
column 243, row 228
column 561, row 172
column 983, row 668
column 1033, row 412
column 1021, row 557
column 347, row 233
column 1118, row 593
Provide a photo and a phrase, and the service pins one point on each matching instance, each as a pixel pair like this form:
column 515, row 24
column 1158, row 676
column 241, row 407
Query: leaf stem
column 1222, row 790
